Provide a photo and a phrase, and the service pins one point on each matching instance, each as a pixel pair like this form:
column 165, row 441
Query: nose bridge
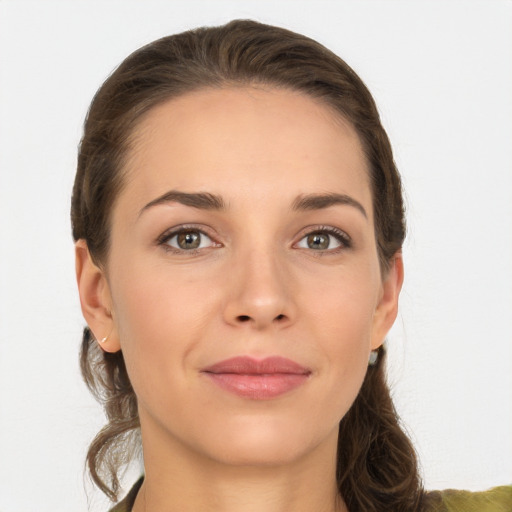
column 260, row 292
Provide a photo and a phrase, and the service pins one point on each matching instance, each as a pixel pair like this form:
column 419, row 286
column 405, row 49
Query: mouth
column 257, row 379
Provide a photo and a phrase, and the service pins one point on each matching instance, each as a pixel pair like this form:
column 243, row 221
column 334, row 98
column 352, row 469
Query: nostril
column 247, row 318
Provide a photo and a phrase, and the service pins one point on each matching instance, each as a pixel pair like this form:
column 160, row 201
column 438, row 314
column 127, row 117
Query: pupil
column 189, row 240
column 318, row 241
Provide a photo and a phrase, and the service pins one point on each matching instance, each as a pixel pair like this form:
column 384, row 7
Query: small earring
column 103, row 340
column 372, row 359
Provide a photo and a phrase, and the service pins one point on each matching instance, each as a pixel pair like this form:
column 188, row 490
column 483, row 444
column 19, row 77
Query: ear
column 95, row 298
column 387, row 308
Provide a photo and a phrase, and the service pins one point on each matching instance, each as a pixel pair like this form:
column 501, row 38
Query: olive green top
column 498, row 499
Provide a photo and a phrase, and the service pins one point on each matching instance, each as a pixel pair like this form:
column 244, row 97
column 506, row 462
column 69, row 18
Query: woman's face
column 245, row 230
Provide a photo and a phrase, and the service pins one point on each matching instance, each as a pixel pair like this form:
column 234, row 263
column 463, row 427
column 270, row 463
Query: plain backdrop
column 441, row 73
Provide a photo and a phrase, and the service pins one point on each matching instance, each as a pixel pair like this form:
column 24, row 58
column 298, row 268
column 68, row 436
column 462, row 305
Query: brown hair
column 377, row 468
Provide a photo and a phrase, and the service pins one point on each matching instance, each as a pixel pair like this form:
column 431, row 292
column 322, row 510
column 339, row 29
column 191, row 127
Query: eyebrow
column 200, row 200
column 320, row 201
column 207, row 201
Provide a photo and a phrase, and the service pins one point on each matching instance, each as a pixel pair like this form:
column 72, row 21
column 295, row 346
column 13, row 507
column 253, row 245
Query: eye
column 325, row 239
column 186, row 240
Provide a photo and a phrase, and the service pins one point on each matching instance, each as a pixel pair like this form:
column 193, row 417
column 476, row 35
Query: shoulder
column 498, row 499
column 126, row 504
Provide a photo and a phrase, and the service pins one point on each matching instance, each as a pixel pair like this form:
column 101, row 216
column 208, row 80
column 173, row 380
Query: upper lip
column 245, row 365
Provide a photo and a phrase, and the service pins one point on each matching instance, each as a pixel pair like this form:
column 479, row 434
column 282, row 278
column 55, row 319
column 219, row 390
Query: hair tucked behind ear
column 377, row 468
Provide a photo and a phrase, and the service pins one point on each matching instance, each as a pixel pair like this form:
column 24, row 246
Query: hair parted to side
column 377, row 468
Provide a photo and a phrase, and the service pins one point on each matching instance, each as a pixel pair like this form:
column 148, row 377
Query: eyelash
column 340, row 236
column 164, row 238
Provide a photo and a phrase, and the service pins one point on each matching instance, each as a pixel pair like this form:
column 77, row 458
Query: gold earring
column 103, row 340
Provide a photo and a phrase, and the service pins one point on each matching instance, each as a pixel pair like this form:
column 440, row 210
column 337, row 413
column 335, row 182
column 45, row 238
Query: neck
column 177, row 479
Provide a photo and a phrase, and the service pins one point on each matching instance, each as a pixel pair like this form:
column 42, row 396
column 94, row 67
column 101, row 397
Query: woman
column 238, row 221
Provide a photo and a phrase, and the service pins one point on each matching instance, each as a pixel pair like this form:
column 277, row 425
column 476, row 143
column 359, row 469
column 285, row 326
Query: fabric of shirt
column 498, row 499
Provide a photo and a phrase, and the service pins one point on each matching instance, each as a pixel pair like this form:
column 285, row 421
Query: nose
column 260, row 293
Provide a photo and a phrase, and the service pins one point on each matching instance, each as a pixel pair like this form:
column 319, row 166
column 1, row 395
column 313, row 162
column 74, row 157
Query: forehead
column 252, row 140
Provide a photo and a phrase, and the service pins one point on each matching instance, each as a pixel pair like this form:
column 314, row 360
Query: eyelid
column 340, row 235
column 170, row 233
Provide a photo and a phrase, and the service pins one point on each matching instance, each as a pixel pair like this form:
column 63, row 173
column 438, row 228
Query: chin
column 265, row 442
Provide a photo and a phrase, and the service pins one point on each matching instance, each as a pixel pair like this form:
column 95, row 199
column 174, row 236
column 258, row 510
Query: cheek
column 160, row 320
column 342, row 311
column 150, row 297
column 341, row 320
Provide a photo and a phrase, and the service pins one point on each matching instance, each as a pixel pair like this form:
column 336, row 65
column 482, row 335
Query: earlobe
column 95, row 298
column 387, row 309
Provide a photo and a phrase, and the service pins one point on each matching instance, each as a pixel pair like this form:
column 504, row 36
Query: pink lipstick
column 258, row 379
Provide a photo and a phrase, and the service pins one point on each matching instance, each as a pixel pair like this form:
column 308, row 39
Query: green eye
column 189, row 239
column 318, row 241
column 325, row 239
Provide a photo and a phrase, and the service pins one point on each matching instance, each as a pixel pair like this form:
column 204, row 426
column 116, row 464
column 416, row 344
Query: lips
column 257, row 379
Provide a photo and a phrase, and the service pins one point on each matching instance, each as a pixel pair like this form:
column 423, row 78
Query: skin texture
column 256, row 286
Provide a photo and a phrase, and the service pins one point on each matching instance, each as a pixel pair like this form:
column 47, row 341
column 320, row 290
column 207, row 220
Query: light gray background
column 441, row 73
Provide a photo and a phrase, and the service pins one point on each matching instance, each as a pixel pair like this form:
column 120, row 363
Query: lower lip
column 258, row 387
